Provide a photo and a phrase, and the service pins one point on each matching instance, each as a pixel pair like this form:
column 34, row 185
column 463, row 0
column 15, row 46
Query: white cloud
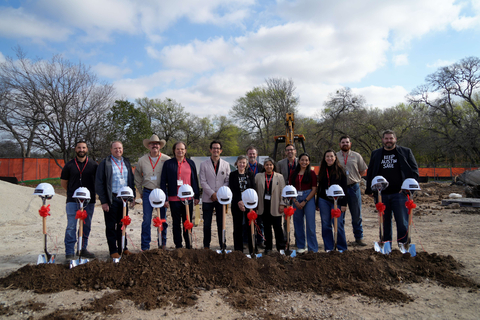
column 17, row 23
column 440, row 63
column 110, row 71
column 400, row 60
column 2, row 58
column 381, row 97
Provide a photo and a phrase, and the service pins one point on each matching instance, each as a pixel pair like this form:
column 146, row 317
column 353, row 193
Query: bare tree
column 58, row 100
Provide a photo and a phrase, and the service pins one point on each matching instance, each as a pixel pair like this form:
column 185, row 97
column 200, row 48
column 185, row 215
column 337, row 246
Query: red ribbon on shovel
column 157, row 222
column 82, row 215
column 380, row 208
column 336, row 213
column 188, row 225
column 252, row 216
column 410, row 205
column 289, row 211
column 125, row 221
column 44, row 211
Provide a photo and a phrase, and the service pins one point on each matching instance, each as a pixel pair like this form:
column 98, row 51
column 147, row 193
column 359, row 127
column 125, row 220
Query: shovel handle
column 124, row 214
column 44, row 225
column 335, row 225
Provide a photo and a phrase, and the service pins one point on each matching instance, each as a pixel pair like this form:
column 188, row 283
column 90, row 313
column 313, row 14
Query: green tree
column 130, row 126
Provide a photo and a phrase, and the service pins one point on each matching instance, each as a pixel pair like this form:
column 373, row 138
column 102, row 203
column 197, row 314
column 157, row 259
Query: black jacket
column 168, row 181
column 408, row 165
column 235, row 186
column 103, row 180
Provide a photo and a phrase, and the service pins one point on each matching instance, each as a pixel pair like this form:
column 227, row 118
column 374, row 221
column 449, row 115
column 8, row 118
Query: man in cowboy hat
column 147, row 177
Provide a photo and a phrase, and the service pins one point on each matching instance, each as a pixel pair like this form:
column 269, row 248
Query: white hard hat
column 379, row 182
column 81, row 193
column 125, row 192
column 157, row 198
column 185, row 191
column 335, row 191
column 44, row 190
column 410, row 184
column 289, row 192
column 224, row 195
column 250, row 198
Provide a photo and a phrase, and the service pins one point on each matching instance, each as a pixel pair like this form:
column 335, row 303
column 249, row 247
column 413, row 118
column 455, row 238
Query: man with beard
column 395, row 164
column 147, row 177
column 78, row 172
column 355, row 167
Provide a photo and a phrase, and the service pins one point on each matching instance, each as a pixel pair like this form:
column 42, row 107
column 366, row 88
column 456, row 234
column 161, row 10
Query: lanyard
column 153, row 166
column 121, row 169
column 254, row 166
column 328, row 177
column 291, row 168
column 84, row 166
column 180, row 167
column 300, row 178
column 345, row 159
column 268, row 181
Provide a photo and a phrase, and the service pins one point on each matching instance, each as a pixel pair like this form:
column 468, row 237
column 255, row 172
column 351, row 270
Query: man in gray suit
column 287, row 165
column 286, row 168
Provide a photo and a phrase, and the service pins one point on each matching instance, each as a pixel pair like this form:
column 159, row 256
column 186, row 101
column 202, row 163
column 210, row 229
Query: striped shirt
column 118, row 171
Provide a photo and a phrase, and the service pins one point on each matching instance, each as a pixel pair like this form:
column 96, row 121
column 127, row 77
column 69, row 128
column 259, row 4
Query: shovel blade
column 410, row 248
column 116, row 260
column 383, row 247
column 222, row 251
column 42, row 258
column 77, row 262
column 289, row 253
column 258, row 255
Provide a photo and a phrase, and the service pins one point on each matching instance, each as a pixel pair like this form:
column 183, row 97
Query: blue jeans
column 354, row 199
column 327, row 227
column 71, row 232
column 307, row 214
column 147, row 222
column 207, row 222
column 395, row 203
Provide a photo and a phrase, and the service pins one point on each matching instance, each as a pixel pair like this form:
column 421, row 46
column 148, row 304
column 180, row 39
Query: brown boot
column 127, row 252
column 115, row 255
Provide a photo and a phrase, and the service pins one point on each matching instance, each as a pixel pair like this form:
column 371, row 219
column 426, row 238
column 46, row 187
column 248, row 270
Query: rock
column 453, row 206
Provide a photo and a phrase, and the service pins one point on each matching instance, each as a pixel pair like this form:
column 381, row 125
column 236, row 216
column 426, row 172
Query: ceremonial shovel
column 79, row 261
column 224, row 197
column 409, row 185
column 125, row 194
column 157, row 200
column 45, row 191
column 289, row 193
column 335, row 192
column 379, row 183
column 250, row 201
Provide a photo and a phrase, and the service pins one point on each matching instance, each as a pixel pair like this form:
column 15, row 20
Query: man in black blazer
column 395, row 164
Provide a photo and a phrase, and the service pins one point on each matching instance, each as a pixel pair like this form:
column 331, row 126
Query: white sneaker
column 300, row 251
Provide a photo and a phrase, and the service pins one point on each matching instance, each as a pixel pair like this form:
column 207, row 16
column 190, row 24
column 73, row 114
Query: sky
column 205, row 54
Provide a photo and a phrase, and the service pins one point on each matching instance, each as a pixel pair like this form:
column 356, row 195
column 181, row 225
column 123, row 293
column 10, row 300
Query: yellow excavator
column 289, row 137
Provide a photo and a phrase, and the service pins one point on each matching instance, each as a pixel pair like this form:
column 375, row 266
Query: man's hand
column 280, row 209
column 166, row 205
column 196, row 201
column 105, row 207
column 213, row 197
column 343, row 208
column 241, row 206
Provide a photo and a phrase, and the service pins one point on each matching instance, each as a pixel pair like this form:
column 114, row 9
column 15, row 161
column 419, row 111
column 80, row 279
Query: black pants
column 270, row 221
column 179, row 216
column 238, row 219
column 113, row 226
column 207, row 222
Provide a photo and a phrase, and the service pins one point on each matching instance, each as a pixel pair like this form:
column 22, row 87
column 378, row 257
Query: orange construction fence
column 432, row 172
column 25, row 169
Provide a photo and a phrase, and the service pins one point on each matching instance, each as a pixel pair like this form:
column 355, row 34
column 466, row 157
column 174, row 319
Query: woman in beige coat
column 269, row 185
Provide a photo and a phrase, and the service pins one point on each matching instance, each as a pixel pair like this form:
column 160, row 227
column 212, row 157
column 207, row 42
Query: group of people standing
column 157, row 170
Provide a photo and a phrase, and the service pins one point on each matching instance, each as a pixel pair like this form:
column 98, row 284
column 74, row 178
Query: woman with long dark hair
column 331, row 172
column 239, row 181
column 304, row 180
column 269, row 185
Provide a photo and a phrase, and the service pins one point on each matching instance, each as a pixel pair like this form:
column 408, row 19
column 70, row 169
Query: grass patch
column 53, row 181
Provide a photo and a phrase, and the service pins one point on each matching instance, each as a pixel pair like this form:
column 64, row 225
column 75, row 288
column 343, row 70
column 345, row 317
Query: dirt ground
column 441, row 282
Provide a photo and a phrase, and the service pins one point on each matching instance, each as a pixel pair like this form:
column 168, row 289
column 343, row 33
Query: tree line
column 48, row 105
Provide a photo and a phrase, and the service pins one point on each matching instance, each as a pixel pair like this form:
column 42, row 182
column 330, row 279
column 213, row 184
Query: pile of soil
column 157, row 278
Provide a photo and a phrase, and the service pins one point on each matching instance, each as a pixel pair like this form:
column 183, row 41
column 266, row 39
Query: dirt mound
column 156, row 278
